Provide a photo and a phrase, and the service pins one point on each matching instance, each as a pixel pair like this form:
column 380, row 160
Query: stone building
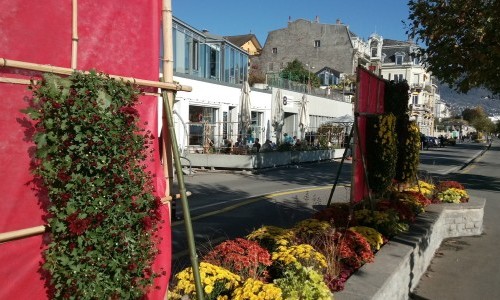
column 316, row 45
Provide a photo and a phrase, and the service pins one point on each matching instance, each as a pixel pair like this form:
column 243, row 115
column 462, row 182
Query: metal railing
column 274, row 80
column 226, row 138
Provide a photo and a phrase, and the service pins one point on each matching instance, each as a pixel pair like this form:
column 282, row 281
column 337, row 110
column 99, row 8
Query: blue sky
column 225, row 17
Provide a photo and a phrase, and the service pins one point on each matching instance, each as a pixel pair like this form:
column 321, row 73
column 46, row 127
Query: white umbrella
column 268, row 130
column 303, row 116
column 245, row 110
column 278, row 115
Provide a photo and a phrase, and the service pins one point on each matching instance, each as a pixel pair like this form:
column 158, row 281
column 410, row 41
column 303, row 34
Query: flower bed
column 315, row 258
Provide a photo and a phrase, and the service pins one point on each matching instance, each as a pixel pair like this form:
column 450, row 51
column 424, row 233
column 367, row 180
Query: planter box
column 261, row 160
column 402, row 261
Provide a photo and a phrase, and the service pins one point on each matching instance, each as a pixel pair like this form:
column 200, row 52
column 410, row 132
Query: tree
column 470, row 114
column 462, row 41
column 296, row 71
column 478, row 119
column 483, row 125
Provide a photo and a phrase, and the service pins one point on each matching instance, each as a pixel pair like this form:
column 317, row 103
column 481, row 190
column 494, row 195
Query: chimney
column 338, row 22
column 289, row 19
column 317, row 19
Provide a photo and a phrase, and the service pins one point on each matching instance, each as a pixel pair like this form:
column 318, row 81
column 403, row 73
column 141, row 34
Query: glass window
column 415, row 99
column 399, row 59
column 195, row 56
column 227, row 63
column 180, row 52
column 245, row 67
column 232, row 65
column 275, row 50
column 374, row 52
column 317, row 43
column 201, row 124
column 214, row 58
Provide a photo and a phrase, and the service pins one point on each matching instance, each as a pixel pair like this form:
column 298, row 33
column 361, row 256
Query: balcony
column 417, row 87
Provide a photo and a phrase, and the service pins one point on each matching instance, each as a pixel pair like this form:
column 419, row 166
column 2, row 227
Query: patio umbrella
column 268, row 130
column 278, row 115
column 245, row 111
column 303, row 116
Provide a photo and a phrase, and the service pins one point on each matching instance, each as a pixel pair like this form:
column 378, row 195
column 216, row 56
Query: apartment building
column 397, row 61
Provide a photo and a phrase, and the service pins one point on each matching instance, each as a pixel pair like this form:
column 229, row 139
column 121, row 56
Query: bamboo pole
column 74, row 38
column 14, row 80
column 170, row 143
column 22, row 233
column 28, row 82
column 67, row 71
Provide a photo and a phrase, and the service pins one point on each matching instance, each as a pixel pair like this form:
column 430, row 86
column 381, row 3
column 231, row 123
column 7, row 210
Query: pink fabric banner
column 371, row 91
column 115, row 37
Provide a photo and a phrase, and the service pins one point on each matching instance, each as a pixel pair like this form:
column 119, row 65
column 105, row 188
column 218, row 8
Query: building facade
column 216, row 68
column 316, row 45
column 397, row 61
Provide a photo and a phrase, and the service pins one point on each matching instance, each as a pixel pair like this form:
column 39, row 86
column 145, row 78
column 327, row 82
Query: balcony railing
column 273, row 80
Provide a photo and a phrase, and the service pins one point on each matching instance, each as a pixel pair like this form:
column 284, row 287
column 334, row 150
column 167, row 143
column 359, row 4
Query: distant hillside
column 474, row 98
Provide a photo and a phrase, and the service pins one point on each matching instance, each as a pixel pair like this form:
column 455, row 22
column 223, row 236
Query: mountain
column 474, row 98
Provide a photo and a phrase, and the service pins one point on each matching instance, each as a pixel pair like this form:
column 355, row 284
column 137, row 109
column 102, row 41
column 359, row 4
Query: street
column 231, row 204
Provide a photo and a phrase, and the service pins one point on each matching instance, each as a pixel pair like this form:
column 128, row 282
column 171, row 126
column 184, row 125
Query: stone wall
column 402, row 261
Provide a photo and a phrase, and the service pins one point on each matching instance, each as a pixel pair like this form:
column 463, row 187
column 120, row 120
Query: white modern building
column 216, row 70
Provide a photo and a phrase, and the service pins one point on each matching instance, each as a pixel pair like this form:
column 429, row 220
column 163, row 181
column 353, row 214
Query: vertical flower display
column 90, row 158
column 408, row 150
column 381, row 151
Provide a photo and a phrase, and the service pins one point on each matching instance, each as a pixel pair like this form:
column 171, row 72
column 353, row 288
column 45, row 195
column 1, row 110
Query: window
column 398, row 77
column 317, row 43
column 416, row 61
column 270, row 68
column 275, row 50
column 195, row 59
column 374, row 52
column 414, row 99
column 399, row 59
column 389, row 77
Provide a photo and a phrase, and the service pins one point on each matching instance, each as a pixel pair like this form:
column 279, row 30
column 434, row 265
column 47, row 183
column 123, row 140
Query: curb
column 399, row 264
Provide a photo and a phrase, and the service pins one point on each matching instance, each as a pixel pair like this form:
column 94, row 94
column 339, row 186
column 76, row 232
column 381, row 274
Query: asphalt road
column 231, row 204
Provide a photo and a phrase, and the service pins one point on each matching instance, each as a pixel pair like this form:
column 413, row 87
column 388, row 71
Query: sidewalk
column 455, row 271
column 469, row 267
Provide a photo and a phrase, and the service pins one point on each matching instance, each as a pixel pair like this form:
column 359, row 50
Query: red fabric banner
column 115, row 37
column 371, row 91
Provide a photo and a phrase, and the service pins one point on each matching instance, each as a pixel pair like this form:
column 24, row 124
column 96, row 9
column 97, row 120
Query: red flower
column 243, row 257
column 76, row 225
column 63, row 176
column 444, row 185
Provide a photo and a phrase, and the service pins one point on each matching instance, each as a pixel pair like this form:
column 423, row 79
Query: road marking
column 250, row 200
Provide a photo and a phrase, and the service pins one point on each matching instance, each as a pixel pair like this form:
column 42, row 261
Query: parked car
column 434, row 141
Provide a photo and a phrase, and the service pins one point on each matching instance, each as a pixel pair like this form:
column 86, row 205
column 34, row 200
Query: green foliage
column 396, row 98
column 461, row 39
column 381, row 151
column 90, row 159
column 387, row 222
column 303, row 283
column 296, row 71
column 478, row 118
column 470, row 114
